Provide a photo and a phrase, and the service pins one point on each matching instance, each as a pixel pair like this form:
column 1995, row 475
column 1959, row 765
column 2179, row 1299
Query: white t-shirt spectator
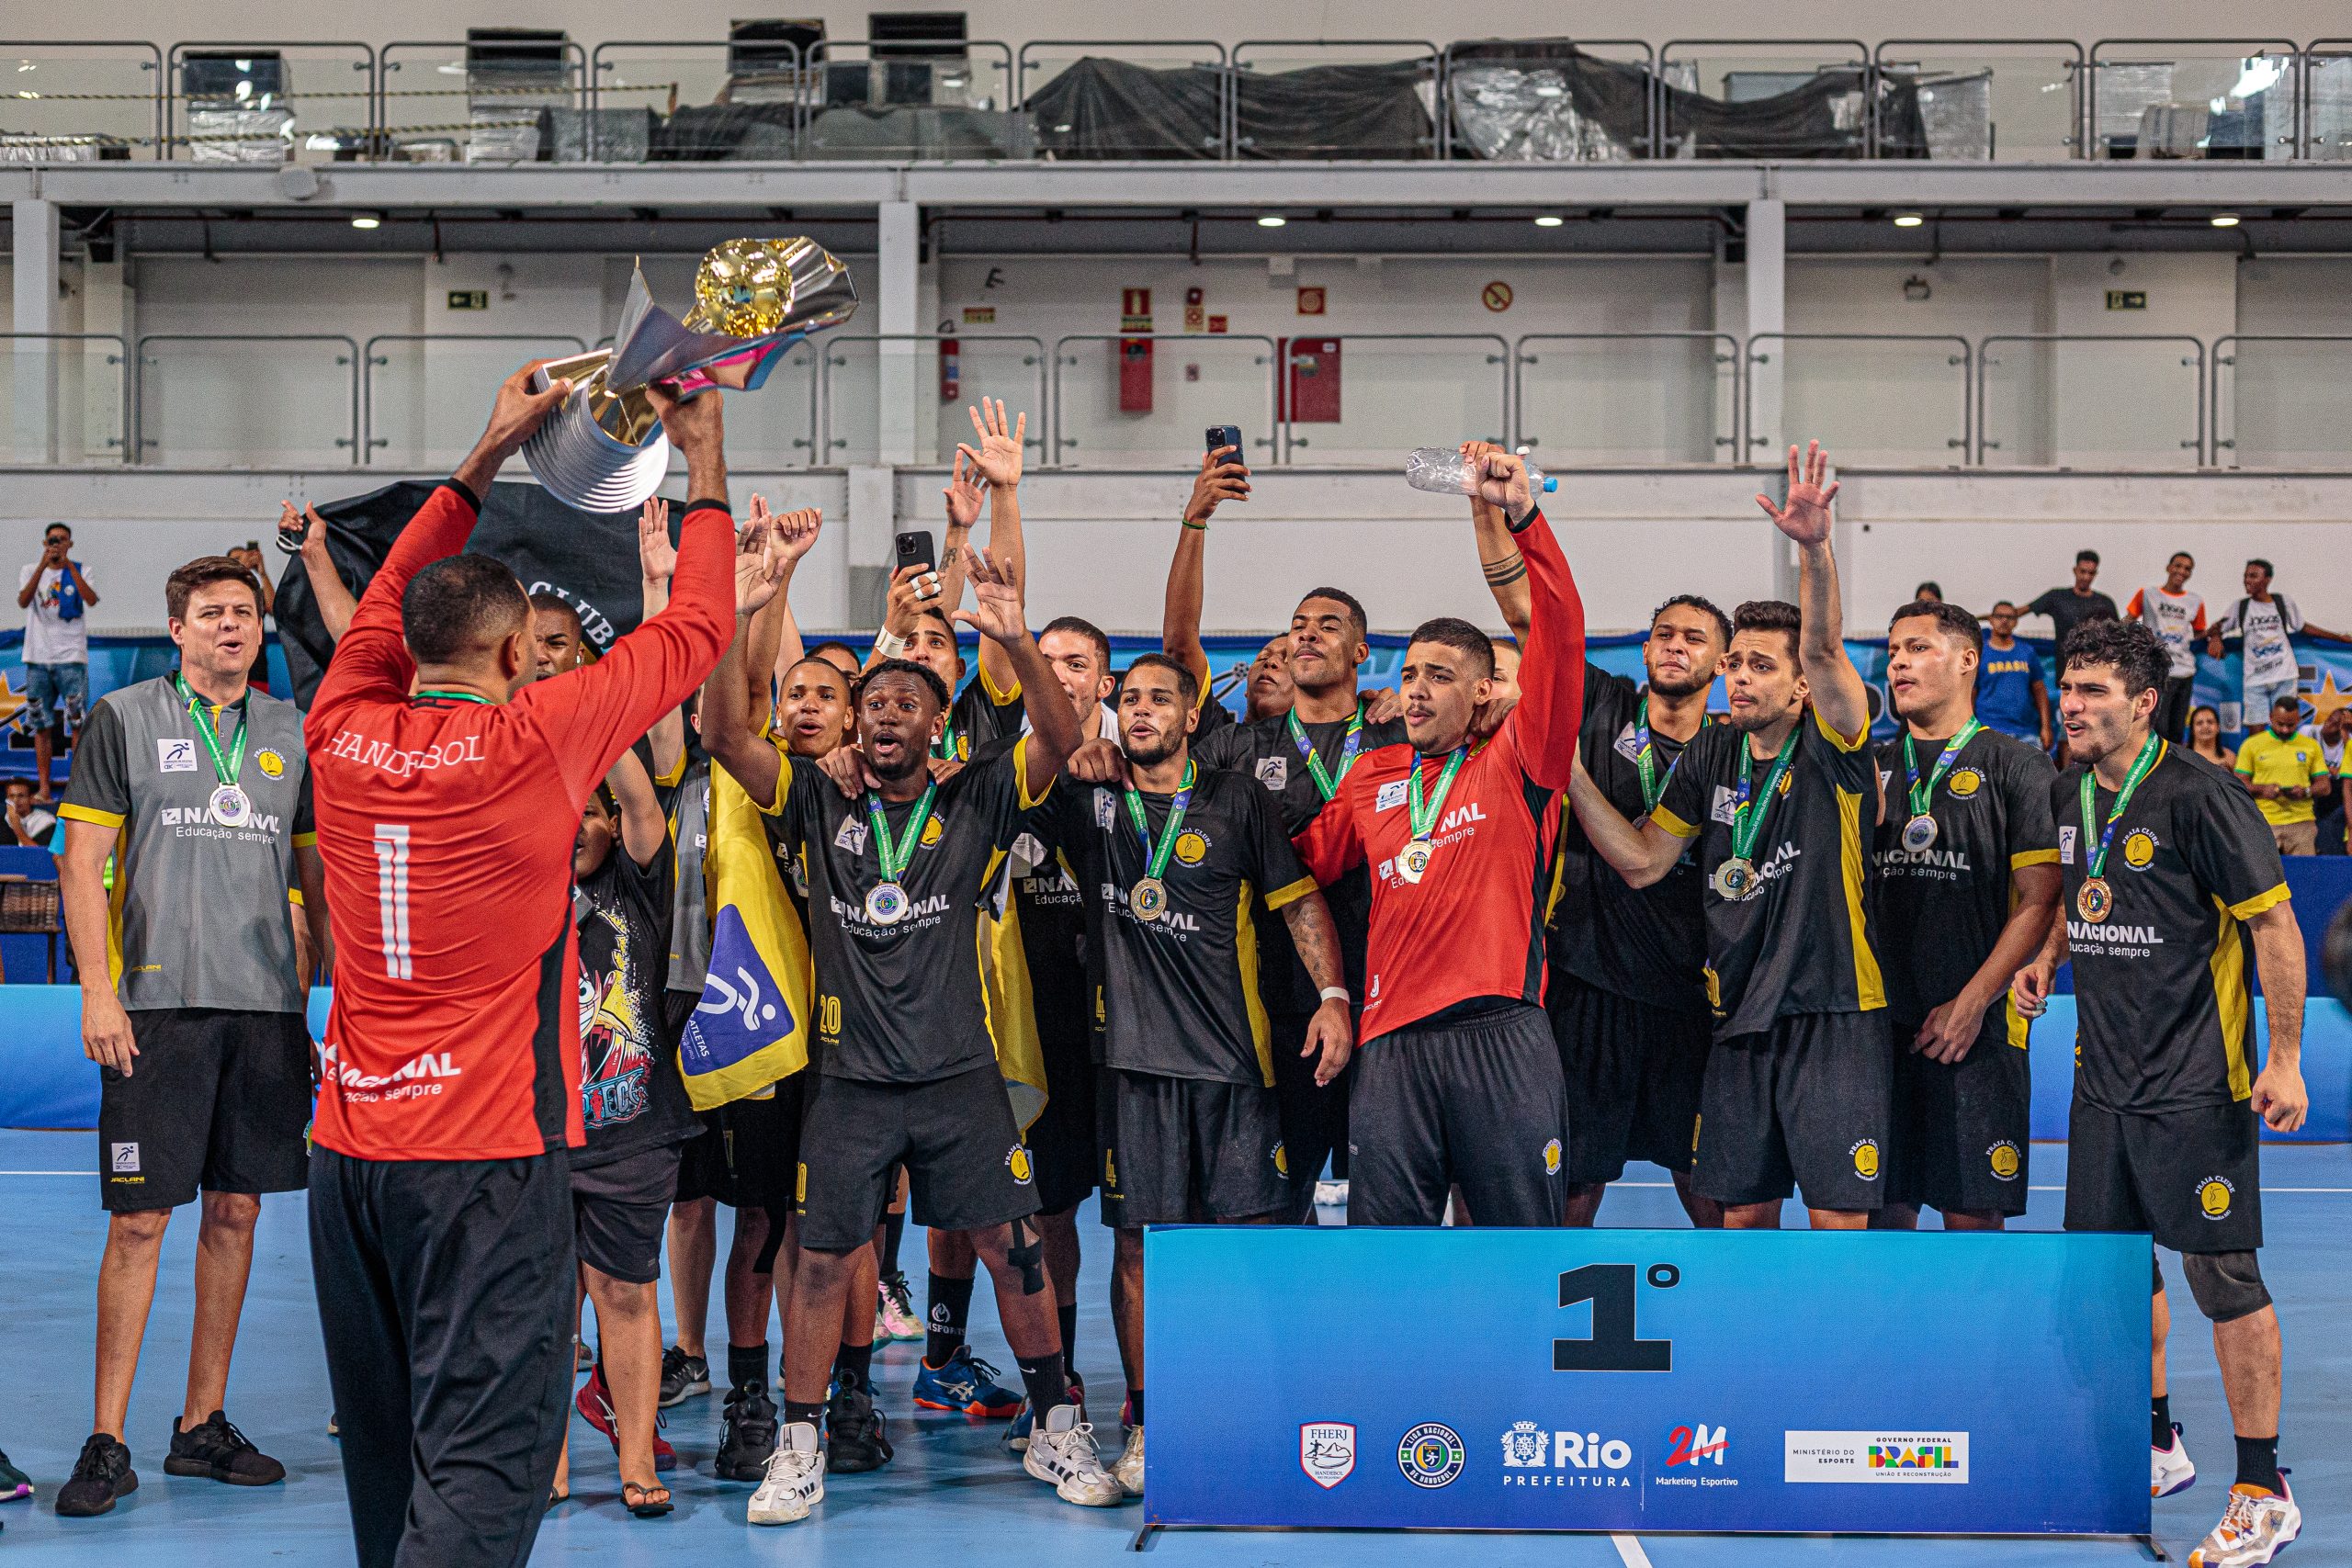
column 2270, row 658
column 48, row 639
column 2175, row 618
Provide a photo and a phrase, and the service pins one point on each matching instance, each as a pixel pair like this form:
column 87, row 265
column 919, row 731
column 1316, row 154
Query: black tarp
column 1109, row 109
column 589, row 557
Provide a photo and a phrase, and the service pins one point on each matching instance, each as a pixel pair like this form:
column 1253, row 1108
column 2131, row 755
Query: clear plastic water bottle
column 1443, row 471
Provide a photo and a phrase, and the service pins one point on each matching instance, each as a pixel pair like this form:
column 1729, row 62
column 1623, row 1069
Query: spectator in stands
column 54, row 596
column 2262, row 622
column 2284, row 769
column 2012, row 692
column 30, row 826
column 2070, row 607
column 1929, row 592
column 2205, row 737
column 2331, row 733
column 2177, row 617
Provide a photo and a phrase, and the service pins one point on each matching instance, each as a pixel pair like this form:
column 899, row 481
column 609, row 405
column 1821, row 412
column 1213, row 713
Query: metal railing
column 145, row 426
column 1945, row 79
column 75, row 78
column 462, row 110
column 2186, row 121
column 1614, row 401
column 1756, row 79
column 1426, row 405
column 1929, row 349
column 541, row 346
column 1543, row 128
column 1242, row 140
column 2063, row 442
column 35, row 419
column 1032, row 72
column 2303, row 422
column 240, row 128
column 1256, row 379
column 845, row 414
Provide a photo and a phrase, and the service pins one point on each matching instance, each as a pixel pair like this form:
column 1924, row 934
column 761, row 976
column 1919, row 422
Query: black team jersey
column 1648, row 943
column 2164, row 986
column 901, row 1003
column 1043, row 902
column 631, row 1098
column 1180, row 994
column 1265, row 749
column 1803, row 942
column 1940, row 909
column 979, row 716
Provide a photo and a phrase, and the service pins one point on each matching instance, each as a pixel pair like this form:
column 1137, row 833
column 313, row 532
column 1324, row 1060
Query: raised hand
column 518, row 411
column 913, row 589
column 796, row 531
column 1500, row 481
column 1096, row 760
column 1222, row 477
column 694, row 425
column 962, row 491
column 1805, row 518
column 656, row 556
column 758, row 568
column 997, row 614
column 998, row 458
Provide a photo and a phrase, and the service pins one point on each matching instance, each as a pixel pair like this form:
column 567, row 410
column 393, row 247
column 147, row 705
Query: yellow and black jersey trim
column 91, row 814
column 2246, row 909
column 1290, row 895
column 2232, row 1004
column 306, row 840
column 1004, row 697
column 1245, row 950
column 1672, row 824
column 782, row 781
column 2033, row 857
column 1870, row 985
column 1029, row 800
column 1830, row 734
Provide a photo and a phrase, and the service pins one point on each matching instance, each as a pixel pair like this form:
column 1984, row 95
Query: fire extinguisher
column 951, row 371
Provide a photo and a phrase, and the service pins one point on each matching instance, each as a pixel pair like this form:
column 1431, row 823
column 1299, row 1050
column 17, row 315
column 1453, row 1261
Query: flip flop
column 640, row 1501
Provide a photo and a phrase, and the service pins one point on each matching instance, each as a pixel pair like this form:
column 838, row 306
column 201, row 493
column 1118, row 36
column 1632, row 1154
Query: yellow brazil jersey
column 2266, row 759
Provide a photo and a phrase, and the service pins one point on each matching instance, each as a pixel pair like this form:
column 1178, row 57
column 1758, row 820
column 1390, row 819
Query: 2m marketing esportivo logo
column 1876, row 1457
column 1696, row 1455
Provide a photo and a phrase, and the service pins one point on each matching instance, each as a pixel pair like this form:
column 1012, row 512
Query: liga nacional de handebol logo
column 1431, row 1455
column 1327, row 1451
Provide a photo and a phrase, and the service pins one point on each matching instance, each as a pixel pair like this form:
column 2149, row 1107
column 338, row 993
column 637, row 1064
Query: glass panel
column 62, row 103
column 2091, row 402
column 678, row 101
column 1868, row 400
column 270, row 104
column 1550, row 100
column 776, row 427
column 1737, row 100
column 1186, row 384
column 247, row 403
column 2193, row 100
column 2286, row 402
column 2327, row 111
column 1980, row 101
column 938, row 392
column 899, row 102
column 61, row 400
column 1125, row 100
column 1372, row 99
column 1398, row 393
column 437, row 110
column 424, row 395
column 1662, row 399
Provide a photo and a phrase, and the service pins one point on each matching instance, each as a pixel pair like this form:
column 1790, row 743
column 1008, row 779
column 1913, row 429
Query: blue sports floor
column 953, row 1495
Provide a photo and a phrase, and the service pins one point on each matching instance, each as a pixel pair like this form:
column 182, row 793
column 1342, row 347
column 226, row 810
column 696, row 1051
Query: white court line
column 2059, row 1188
column 1629, row 1552
column 46, row 1173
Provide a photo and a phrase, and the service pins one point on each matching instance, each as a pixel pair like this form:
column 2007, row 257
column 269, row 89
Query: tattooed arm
column 1506, row 569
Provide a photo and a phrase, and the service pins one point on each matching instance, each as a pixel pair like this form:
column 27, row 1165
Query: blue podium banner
column 1873, row 1382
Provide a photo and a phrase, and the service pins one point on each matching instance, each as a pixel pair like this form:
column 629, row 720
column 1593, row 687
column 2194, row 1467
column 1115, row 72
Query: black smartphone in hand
column 1227, row 435
column 915, row 548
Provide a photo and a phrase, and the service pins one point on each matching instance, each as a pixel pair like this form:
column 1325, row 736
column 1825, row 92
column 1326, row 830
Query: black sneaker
column 749, row 1435
column 854, row 1438
column 102, row 1476
column 683, row 1376
column 215, row 1449
column 14, row 1484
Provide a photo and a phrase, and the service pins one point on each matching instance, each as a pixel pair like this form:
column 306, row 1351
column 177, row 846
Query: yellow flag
column 751, row 1027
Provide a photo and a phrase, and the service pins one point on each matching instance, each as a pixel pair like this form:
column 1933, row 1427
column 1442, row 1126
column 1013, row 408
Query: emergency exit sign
column 2127, row 299
column 478, row 299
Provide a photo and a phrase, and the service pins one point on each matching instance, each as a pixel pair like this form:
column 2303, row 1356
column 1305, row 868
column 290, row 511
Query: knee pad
column 2227, row 1285
column 1027, row 1253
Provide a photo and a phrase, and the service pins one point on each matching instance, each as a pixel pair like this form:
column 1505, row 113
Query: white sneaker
column 1129, row 1470
column 1062, row 1453
column 2253, row 1528
column 2169, row 1470
column 795, row 1481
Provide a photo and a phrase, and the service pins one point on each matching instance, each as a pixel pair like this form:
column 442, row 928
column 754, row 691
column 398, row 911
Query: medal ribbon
column 2150, row 751
column 897, row 857
column 1923, row 794
column 1424, row 817
column 1747, row 814
column 1325, row 784
column 1645, row 760
column 456, row 697
column 945, row 748
column 225, row 768
column 1156, row 855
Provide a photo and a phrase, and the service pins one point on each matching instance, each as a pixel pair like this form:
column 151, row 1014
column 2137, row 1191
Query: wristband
column 1190, row 524
column 888, row 645
column 1334, row 994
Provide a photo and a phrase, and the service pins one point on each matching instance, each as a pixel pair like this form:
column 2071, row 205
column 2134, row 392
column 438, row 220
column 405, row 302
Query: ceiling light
column 366, row 220
column 1550, row 220
column 1908, row 221
column 1272, row 220
column 2225, row 220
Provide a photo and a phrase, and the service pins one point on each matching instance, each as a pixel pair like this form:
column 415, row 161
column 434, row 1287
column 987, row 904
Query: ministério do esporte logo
column 1537, row 1456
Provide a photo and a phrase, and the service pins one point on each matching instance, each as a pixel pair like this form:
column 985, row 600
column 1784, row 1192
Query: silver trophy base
column 571, row 456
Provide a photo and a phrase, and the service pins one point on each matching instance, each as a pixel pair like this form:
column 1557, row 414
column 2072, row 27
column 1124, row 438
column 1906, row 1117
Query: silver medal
column 231, row 807
column 1920, row 833
column 886, row 904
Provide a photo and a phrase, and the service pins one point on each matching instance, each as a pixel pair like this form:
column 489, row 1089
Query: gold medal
column 2095, row 900
column 1413, row 859
column 1149, row 899
column 1735, row 879
column 1919, row 834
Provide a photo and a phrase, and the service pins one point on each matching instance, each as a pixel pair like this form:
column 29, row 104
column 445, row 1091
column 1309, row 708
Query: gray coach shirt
column 200, row 915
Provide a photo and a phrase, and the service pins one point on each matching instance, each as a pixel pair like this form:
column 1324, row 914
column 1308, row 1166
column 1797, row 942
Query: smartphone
column 1227, row 435
column 916, row 549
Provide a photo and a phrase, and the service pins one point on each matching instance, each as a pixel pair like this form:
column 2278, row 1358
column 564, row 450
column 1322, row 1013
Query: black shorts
column 748, row 1156
column 216, row 1099
column 1474, row 1099
column 965, row 1164
column 1963, row 1137
column 1181, row 1150
column 1314, row 1116
column 1061, row 1140
column 1805, row 1107
column 619, row 1209
column 2191, row 1179
column 1633, row 1073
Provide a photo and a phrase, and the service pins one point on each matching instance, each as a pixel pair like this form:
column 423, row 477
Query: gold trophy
column 604, row 450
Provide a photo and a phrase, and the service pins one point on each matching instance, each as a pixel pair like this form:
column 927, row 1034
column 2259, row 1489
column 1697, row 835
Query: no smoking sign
column 1496, row 295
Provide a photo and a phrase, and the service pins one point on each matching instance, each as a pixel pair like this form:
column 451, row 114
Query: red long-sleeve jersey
column 446, row 828
column 1472, row 926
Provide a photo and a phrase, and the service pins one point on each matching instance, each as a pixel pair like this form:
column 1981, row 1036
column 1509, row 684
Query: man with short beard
column 1967, row 865
column 1170, row 857
column 1798, row 1087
